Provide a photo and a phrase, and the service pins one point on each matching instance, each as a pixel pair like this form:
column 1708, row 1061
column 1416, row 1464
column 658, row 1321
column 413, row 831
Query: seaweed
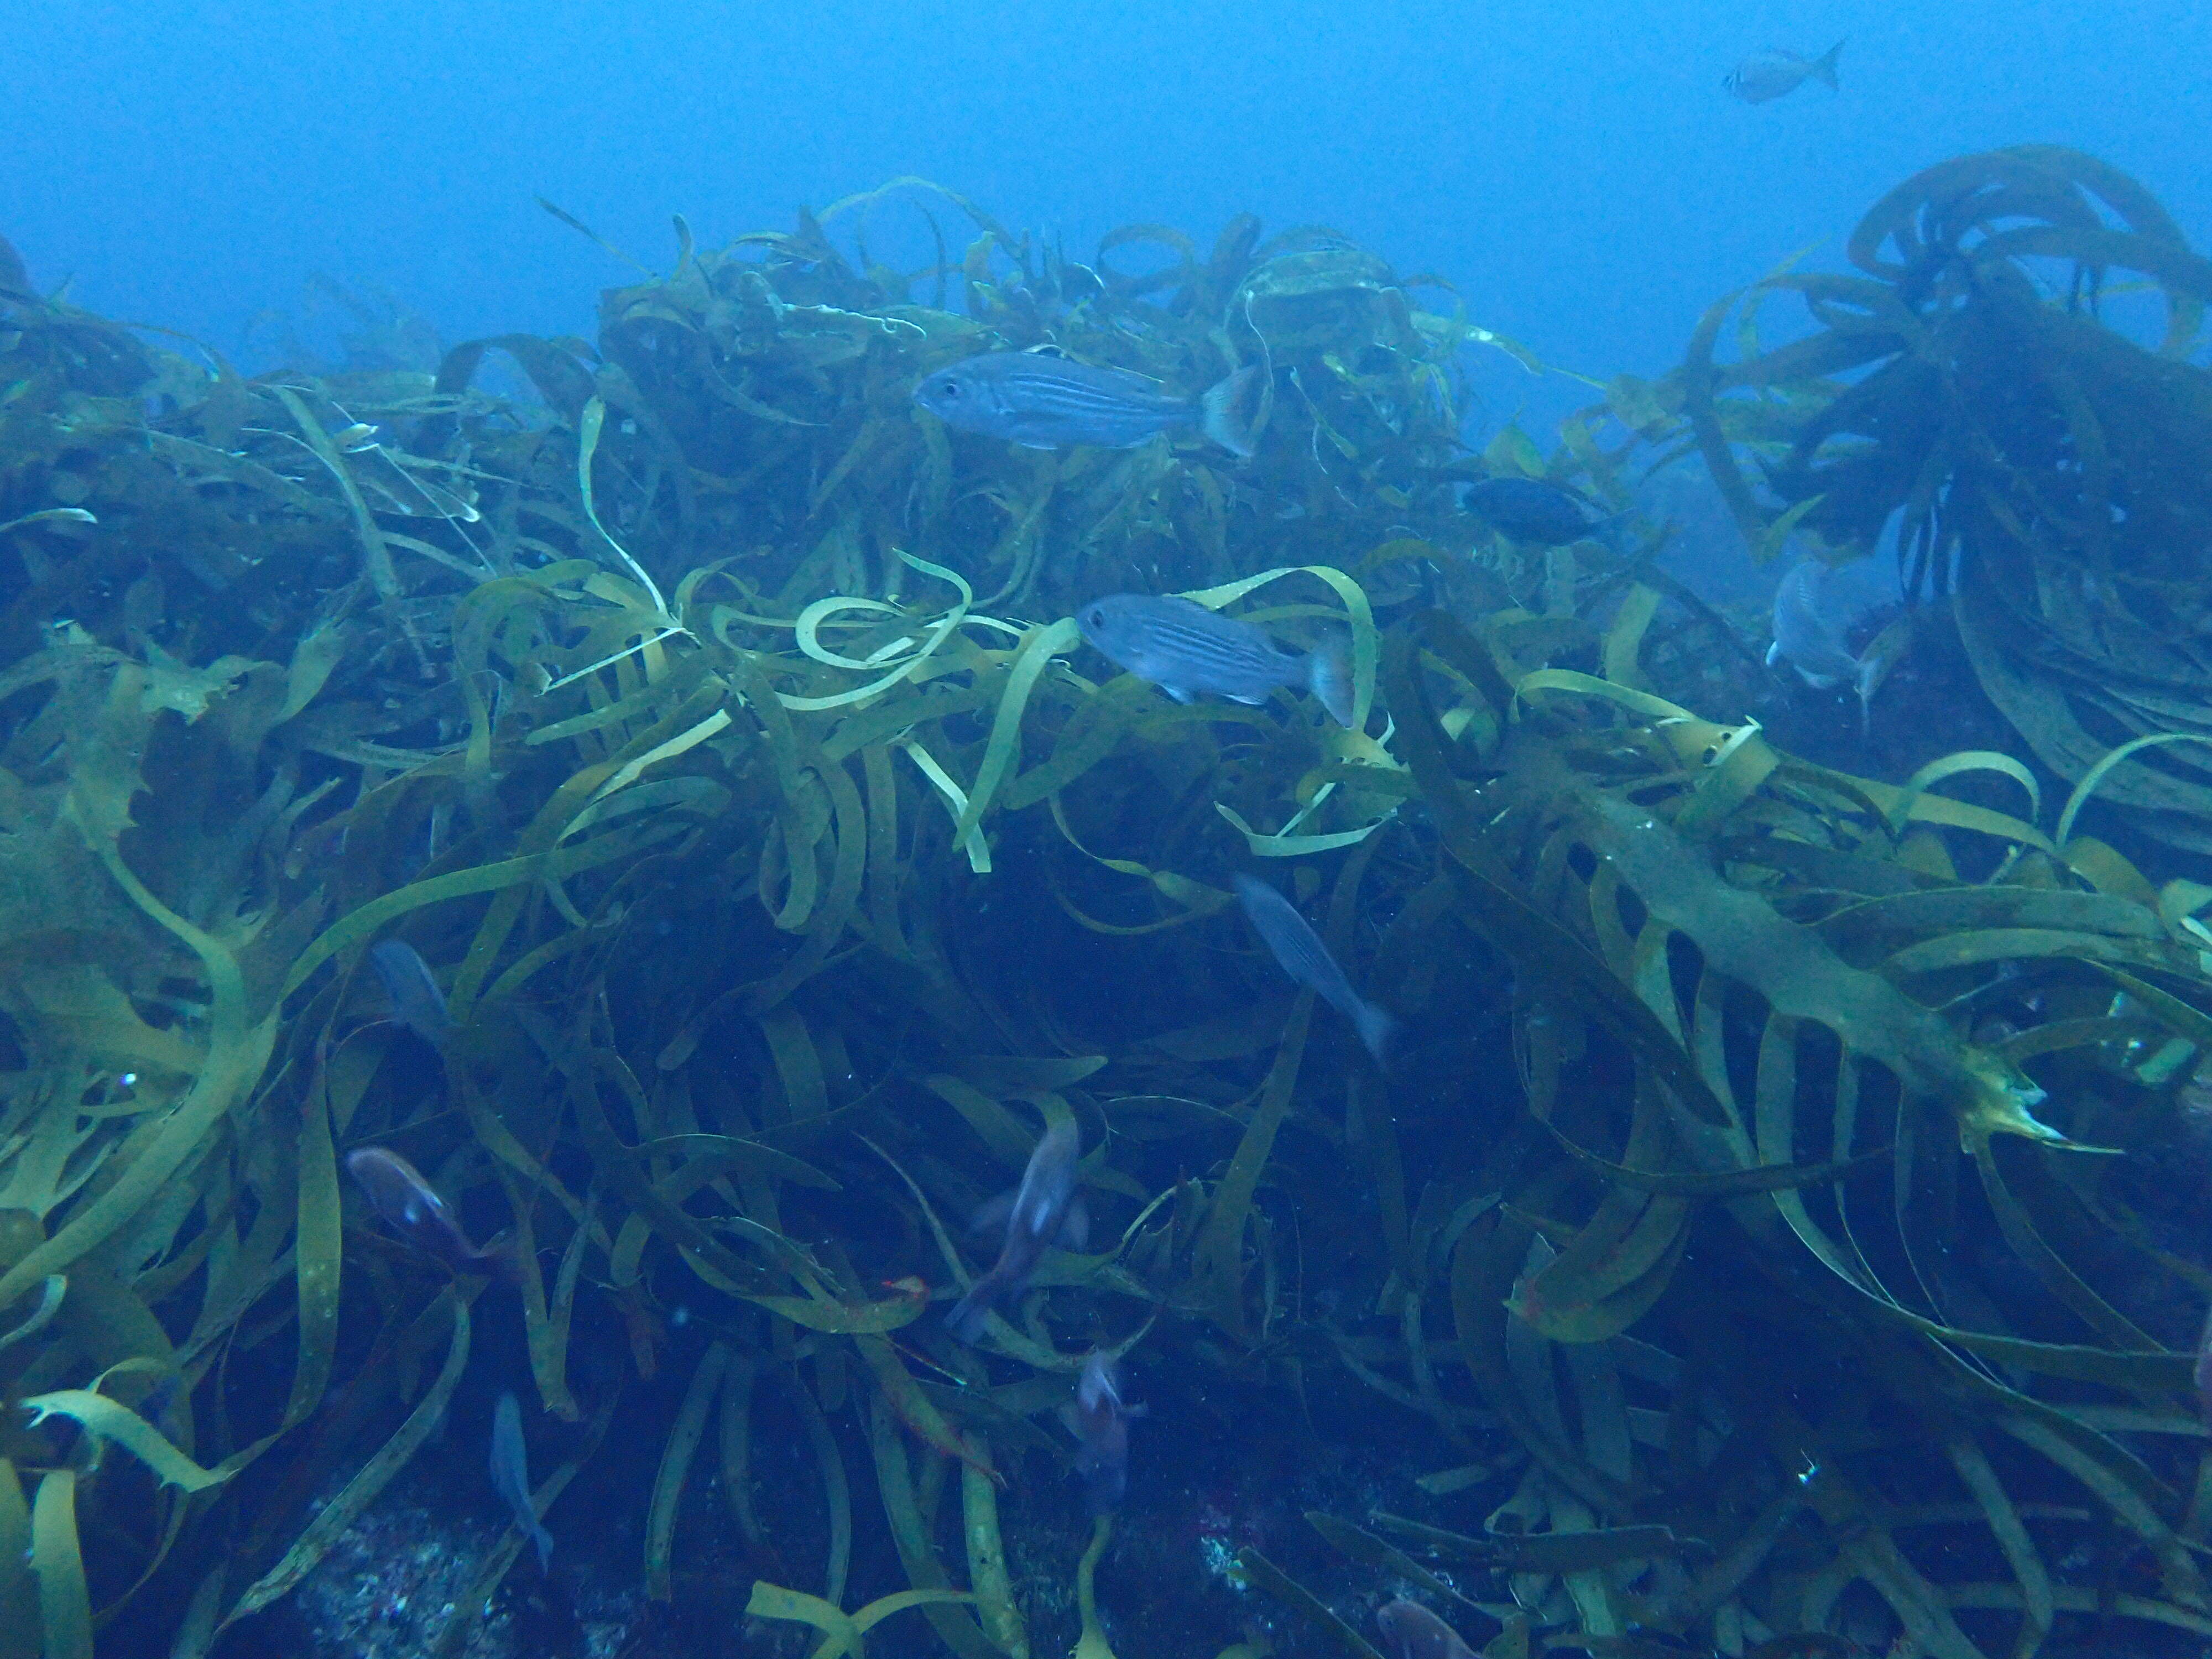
column 1758, row 1228
column 1964, row 392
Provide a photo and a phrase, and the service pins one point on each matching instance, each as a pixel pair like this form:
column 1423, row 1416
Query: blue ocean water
column 1577, row 173
column 1575, row 167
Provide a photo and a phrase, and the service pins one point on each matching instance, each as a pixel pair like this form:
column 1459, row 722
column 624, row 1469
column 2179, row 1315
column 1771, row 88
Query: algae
column 692, row 722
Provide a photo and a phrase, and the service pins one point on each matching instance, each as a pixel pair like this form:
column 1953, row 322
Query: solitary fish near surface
column 1765, row 75
column 1185, row 649
column 1034, row 1220
column 510, row 1476
column 1298, row 949
column 1044, row 401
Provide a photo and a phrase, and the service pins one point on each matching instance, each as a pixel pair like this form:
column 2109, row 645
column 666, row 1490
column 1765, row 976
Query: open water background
column 1573, row 166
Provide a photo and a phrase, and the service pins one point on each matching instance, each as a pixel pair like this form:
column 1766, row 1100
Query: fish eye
column 1095, row 616
column 948, row 389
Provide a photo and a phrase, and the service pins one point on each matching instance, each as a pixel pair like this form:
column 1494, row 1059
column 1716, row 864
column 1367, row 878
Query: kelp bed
column 1764, row 1242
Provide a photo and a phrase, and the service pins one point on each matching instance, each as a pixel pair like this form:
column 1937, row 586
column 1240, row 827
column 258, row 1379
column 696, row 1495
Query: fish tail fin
column 965, row 1321
column 1378, row 1031
column 1824, row 67
column 1612, row 531
column 1223, row 416
column 1328, row 677
column 500, row 1256
column 1872, row 670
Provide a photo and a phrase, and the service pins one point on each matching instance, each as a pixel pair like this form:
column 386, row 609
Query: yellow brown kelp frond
column 1791, row 972
column 1976, row 388
column 406, row 660
column 715, row 730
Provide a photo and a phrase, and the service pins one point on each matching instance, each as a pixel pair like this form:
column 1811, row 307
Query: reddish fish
column 1039, row 1212
column 1100, row 1423
column 411, row 1208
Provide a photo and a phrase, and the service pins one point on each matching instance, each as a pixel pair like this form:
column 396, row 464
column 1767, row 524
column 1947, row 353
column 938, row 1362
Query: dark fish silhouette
column 510, row 1476
column 1535, row 510
column 1099, row 1420
column 1410, row 1630
column 1185, row 649
column 1773, row 74
column 1041, row 400
column 411, row 1208
column 416, row 1001
column 1033, row 1220
column 1298, row 949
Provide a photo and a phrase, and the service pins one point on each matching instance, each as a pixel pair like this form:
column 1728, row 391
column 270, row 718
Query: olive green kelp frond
column 1747, row 985
column 1977, row 390
column 712, row 728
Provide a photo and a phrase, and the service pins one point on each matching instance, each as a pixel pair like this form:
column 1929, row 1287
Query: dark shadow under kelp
column 1742, row 1247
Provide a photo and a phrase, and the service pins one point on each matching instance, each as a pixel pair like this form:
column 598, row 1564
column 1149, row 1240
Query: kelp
column 1975, row 389
column 714, row 727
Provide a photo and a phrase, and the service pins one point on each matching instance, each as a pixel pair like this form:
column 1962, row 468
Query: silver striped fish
column 1772, row 74
column 1810, row 641
column 1184, row 648
column 1298, row 951
column 1044, row 401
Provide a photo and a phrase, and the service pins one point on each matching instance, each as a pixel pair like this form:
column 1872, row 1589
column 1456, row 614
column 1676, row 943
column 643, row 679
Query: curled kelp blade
column 687, row 717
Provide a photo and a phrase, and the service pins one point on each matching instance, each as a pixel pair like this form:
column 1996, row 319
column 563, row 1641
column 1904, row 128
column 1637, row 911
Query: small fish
column 1539, row 511
column 1041, row 400
column 416, row 1001
column 510, row 1476
column 1773, row 74
column 1410, row 1630
column 1806, row 638
column 1184, row 648
column 1100, row 1423
column 1034, row 1220
column 411, row 1208
column 1298, row 949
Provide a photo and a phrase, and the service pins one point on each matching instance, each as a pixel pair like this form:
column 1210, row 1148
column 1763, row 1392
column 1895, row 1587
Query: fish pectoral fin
column 1252, row 699
column 1774, row 654
column 1074, row 1232
column 1180, row 693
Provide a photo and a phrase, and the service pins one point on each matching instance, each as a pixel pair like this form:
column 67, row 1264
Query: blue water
column 1574, row 166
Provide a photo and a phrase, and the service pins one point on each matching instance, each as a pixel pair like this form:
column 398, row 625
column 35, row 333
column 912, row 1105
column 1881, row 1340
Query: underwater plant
column 638, row 818
column 1964, row 394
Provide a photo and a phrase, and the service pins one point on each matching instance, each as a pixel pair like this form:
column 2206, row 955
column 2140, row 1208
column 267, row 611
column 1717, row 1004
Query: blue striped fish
column 1184, row 648
column 1298, row 951
column 1041, row 400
